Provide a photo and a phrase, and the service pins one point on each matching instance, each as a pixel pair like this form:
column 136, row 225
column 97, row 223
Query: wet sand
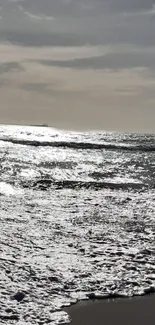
column 134, row 311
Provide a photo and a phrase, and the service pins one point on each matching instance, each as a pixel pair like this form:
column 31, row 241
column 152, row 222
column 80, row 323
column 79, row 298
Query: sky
column 78, row 64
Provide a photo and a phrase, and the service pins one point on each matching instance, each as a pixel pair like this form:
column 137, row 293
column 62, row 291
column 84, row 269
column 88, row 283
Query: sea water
column 77, row 220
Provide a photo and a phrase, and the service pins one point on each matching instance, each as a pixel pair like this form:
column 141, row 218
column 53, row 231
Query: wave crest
column 80, row 145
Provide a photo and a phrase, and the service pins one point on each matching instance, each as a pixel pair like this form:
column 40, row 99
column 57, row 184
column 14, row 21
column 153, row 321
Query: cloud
column 14, row 53
column 115, row 60
column 33, row 93
column 38, row 17
column 77, row 22
column 14, row 1
column 128, row 6
column 149, row 12
column 10, row 67
column 75, row 7
column 35, row 17
column 48, row 72
column 36, row 87
column 41, row 38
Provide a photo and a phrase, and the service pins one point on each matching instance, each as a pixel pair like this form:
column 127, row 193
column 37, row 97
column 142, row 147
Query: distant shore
column 40, row 125
column 71, row 127
column 133, row 311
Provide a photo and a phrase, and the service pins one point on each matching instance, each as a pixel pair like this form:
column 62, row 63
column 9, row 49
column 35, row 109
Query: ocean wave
column 80, row 145
column 44, row 184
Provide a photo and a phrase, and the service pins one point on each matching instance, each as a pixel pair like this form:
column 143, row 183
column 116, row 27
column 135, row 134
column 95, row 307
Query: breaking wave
column 44, row 184
column 80, row 145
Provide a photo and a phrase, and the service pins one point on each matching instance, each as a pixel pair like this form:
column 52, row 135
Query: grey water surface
column 77, row 220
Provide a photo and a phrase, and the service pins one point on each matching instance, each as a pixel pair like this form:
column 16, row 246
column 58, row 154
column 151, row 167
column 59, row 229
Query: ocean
column 77, row 220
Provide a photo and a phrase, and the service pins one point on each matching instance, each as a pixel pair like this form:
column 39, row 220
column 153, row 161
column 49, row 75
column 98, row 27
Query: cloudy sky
column 78, row 64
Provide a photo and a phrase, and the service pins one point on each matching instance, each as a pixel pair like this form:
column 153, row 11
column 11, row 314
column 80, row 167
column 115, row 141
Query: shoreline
column 138, row 310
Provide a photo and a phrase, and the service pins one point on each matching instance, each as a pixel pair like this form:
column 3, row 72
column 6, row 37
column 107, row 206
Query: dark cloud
column 112, row 61
column 10, row 67
column 77, row 22
column 38, row 39
column 136, row 30
column 45, row 88
column 76, row 7
column 36, row 87
column 128, row 5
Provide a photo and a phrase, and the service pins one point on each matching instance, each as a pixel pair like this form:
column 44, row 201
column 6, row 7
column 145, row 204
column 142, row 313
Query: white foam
column 8, row 189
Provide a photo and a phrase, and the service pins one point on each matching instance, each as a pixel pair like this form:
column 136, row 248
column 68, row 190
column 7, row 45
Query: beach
column 77, row 162
column 132, row 311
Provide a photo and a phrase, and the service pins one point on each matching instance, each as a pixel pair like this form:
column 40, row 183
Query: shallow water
column 77, row 220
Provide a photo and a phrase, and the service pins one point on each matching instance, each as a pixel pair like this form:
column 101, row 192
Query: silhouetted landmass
column 40, row 125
